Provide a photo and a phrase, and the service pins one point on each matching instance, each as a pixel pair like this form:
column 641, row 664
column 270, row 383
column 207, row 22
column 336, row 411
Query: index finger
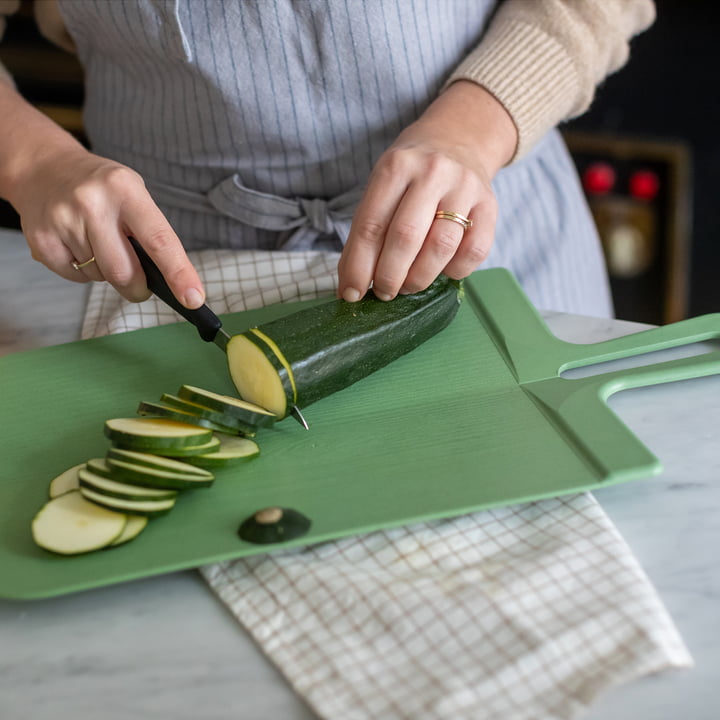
column 367, row 237
column 145, row 222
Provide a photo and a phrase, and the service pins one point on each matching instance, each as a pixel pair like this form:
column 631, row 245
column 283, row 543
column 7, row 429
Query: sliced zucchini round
column 154, row 461
column 154, row 433
column 227, row 405
column 65, row 481
column 98, row 466
column 131, row 507
column 238, row 426
column 274, row 524
column 151, row 409
column 258, row 374
column 116, row 488
column 149, row 477
column 212, row 446
column 70, row 525
column 135, row 525
column 231, row 450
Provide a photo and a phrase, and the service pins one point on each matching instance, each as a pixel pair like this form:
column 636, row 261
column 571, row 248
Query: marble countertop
column 165, row 647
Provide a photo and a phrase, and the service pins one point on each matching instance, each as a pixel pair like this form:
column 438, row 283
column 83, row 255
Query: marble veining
column 166, row 648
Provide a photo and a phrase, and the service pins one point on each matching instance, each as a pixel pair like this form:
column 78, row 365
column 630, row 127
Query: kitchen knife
column 207, row 323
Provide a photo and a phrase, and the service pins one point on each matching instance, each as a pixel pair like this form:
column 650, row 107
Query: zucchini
column 211, row 446
column 274, row 524
column 154, row 433
column 235, row 426
column 70, row 525
column 232, row 449
column 242, row 410
column 154, row 461
column 158, row 410
column 310, row 354
column 149, row 477
column 65, row 481
column 130, row 507
column 104, row 483
column 135, row 525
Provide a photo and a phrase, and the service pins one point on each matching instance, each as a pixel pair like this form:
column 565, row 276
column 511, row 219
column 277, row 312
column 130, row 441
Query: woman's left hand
column 445, row 161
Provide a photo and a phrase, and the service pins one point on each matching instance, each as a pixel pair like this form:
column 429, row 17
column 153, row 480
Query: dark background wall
column 670, row 90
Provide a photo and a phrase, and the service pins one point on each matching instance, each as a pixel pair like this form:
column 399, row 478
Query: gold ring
column 455, row 217
column 79, row 266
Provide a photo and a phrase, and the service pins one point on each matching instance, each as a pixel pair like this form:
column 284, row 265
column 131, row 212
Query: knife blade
column 207, row 323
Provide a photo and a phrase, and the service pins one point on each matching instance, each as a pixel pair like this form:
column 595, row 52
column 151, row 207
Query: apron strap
column 309, row 217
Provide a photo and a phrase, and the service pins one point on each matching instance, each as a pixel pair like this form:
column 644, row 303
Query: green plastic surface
column 477, row 417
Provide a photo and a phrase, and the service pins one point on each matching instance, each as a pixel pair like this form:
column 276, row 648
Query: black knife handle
column 203, row 318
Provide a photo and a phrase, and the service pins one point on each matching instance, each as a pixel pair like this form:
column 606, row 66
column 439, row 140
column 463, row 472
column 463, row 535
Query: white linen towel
column 523, row 612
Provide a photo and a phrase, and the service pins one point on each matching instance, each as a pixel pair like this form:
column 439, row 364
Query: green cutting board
column 477, row 417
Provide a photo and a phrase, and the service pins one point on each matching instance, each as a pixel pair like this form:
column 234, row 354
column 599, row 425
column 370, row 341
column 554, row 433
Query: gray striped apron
column 255, row 124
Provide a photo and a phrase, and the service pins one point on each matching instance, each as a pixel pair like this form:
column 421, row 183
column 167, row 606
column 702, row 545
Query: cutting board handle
column 534, row 353
column 686, row 332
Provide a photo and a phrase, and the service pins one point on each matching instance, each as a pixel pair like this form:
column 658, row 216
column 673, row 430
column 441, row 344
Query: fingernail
column 383, row 296
column 351, row 294
column 193, row 298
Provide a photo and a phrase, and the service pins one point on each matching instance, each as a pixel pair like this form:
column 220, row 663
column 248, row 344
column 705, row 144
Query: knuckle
column 445, row 242
column 117, row 177
column 437, row 164
column 109, row 182
column 370, row 233
column 405, row 235
column 475, row 254
column 86, row 197
column 42, row 246
column 119, row 277
column 161, row 240
column 385, row 282
column 395, row 161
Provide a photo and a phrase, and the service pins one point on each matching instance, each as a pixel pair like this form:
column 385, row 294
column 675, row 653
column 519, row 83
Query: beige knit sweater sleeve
column 543, row 59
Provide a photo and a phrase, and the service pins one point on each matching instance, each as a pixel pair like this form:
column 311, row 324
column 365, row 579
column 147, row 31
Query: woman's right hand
column 75, row 205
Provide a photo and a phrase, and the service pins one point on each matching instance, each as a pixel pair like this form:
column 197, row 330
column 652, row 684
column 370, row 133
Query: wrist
column 478, row 120
column 29, row 141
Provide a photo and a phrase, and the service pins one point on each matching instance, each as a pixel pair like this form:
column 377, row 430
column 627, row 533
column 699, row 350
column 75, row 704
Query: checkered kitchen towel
column 528, row 611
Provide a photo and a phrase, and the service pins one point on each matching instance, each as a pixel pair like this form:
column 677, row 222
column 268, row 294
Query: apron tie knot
column 318, row 214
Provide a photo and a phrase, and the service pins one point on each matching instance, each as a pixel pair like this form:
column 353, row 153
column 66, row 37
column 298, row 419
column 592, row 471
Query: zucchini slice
column 258, row 375
column 65, row 481
column 246, row 412
column 130, row 507
column 211, row 446
column 312, row 353
column 274, row 524
column 143, row 476
column 111, row 487
column 70, row 525
column 151, row 409
column 135, row 525
column 231, row 450
column 154, row 433
column 154, row 461
column 234, row 425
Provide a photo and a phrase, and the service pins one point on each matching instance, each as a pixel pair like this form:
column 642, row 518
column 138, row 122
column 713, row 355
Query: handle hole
column 643, row 359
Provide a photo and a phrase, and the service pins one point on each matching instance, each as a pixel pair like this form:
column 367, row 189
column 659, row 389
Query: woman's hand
column 444, row 161
column 75, row 205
